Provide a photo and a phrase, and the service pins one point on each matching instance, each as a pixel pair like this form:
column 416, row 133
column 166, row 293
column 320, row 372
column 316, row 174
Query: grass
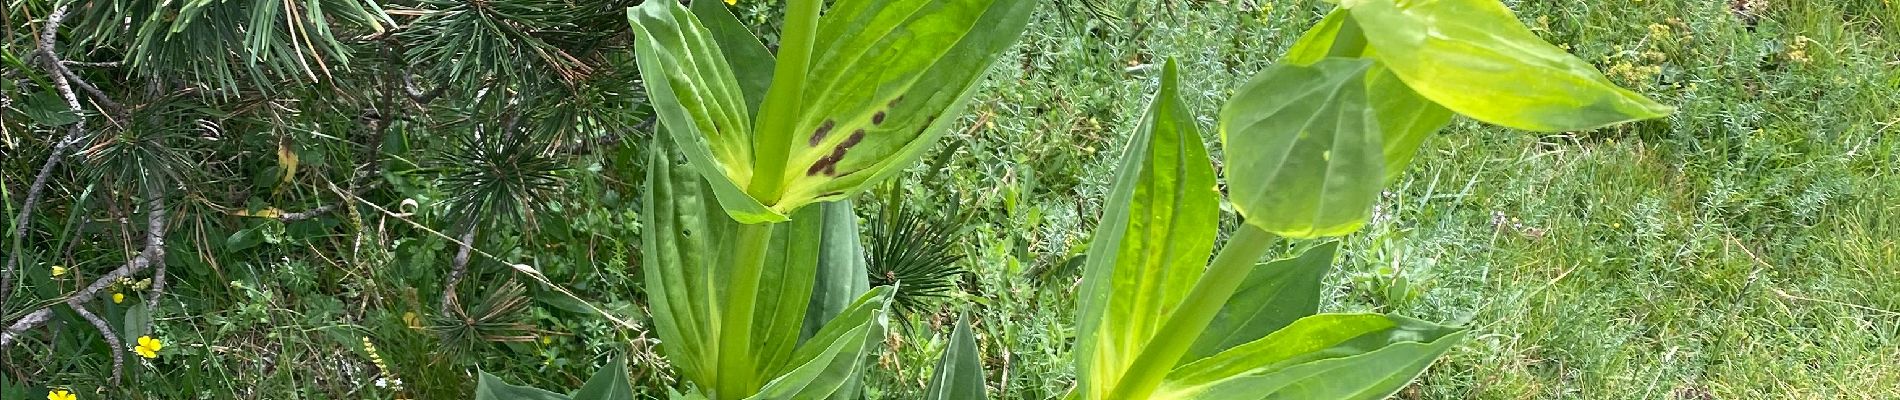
column 1743, row 248
column 1746, row 247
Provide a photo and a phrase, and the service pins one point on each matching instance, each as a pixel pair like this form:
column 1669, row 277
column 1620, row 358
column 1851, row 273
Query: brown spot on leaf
column 819, row 135
column 853, row 140
column 877, row 119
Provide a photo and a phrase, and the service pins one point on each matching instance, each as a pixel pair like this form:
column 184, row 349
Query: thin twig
column 97, row 64
column 524, row 269
column 416, row 94
column 459, row 268
column 118, row 110
column 1785, row 295
column 308, row 214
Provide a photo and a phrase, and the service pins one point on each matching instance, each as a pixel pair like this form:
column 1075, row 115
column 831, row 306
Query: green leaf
column 959, row 374
column 1406, row 119
column 243, row 239
column 836, row 354
column 1274, row 295
column 1336, row 35
column 489, row 387
column 751, row 62
column 700, row 103
column 887, row 80
column 841, row 267
column 790, row 274
column 1474, row 57
column 1303, row 149
column 138, row 319
column 46, row 108
column 1327, row 356
column 841, row 277
column 681, row 227
column 609, row 383
column 1153, row 241
column 690, row 250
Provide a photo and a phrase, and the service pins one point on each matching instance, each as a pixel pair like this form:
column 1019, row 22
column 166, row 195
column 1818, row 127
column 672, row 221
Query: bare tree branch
column 47, row 36
column 112, row 340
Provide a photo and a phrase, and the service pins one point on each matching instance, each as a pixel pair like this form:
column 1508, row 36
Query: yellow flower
column 58, row 270
column 118, row 298
column 732, row 2
column 60, row 395
column 148, row 347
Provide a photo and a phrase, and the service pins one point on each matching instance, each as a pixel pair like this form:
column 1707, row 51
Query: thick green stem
column 737, row 366
column 1222, row 278
column 783, row 103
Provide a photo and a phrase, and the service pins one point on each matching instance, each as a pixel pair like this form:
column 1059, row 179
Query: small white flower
column 382, row 383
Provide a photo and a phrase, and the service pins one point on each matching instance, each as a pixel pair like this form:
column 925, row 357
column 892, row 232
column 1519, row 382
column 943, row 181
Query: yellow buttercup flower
column 118, row 298
column 60, row 395
column 732, row 2
column 148, row 347
column 58, row 270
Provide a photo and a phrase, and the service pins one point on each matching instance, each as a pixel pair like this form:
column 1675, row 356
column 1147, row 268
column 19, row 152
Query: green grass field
column 1747, row 247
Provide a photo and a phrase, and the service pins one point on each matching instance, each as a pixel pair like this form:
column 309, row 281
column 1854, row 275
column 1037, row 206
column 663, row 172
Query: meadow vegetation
column 1746, row 246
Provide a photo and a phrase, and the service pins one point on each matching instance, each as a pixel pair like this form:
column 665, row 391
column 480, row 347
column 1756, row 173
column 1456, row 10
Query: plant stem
column 783, row 102
column 737, row 365
column 1166, row 347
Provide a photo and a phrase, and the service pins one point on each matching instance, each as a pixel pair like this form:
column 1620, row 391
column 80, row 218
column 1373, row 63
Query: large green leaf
column 700, row 102
column 841, row 267
column 1274, row 295
column 682, row 226
column 841, row 277
column 789, row 276
column 835, row 356
column 1327, row 356
column 1336, row 35
column 1153, row 241
column 489, row 387
column 751, row 62
column 609, row 383
column 886, row 81
column 959, row 374
column 690, row 247
column 1476, row 58
column 1303, row 149
column 1406, row 119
